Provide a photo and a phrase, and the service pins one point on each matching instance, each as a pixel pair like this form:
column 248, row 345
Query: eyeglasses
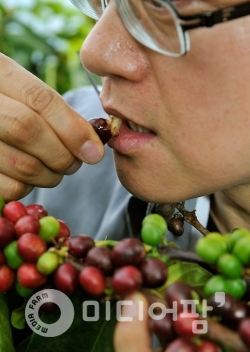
column 157, row 24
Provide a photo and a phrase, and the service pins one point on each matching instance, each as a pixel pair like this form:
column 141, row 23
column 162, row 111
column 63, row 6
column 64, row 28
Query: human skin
column 197, row 106
column 41, row 136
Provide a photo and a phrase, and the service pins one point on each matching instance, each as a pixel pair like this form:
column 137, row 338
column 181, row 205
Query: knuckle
column 63, row 163
column 20, row 127
column 35, row 172
column 39, row 97
column 30, row 168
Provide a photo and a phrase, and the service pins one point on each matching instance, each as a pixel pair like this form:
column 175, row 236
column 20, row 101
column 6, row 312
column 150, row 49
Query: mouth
column 132, row 138
column 115, row 114
column 137, row 128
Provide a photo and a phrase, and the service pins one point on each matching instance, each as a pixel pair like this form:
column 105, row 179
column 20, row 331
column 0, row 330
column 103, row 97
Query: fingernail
column 91, row 152
column 73, row 168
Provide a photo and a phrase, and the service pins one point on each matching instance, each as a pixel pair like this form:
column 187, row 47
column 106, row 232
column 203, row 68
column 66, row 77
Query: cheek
column 206, row 95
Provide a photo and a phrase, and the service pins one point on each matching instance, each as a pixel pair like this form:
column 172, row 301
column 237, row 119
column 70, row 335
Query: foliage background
column 45, row 36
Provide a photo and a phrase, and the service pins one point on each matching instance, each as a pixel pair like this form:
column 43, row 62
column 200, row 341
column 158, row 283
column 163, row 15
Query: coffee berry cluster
column 35, row 246
column 36, row 249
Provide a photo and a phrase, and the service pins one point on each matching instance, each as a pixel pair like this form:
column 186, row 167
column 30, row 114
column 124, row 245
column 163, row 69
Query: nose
column 110, row 50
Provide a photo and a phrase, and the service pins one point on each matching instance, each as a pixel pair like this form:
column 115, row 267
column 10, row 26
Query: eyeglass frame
column 205, row 19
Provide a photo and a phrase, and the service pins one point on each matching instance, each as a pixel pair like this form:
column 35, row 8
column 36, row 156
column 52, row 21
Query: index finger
column 74, row 131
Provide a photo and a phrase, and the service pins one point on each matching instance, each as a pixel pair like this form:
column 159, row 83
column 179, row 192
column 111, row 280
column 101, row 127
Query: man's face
column 195, row 109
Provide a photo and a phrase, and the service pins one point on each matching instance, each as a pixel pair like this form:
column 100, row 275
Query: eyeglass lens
column 154, row 23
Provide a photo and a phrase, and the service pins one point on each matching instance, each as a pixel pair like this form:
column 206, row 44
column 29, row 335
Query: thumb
column 132, row 330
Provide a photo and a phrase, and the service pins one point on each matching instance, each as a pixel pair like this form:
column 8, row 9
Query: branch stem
column 191, row 218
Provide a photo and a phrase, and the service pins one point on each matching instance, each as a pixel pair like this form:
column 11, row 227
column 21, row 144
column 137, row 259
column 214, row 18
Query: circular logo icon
column 52, row 296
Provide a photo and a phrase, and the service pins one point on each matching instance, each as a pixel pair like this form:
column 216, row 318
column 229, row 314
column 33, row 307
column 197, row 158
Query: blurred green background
column 45, row 36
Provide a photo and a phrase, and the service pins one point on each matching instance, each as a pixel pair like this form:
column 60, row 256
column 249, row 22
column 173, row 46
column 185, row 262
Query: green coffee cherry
column 211, row 247
column 49, row 228
column 215, row 236
column 13, row 258
column 154, row 227
column 47, row 263
column 215, row 284
column 156, row 220
column 236, row 287
column 241, row 249
column 228, row 239
column 237, row 234
column 23, row 291
column 229, row 266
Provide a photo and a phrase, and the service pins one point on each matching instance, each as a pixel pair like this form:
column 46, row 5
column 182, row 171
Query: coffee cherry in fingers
column 106, row 128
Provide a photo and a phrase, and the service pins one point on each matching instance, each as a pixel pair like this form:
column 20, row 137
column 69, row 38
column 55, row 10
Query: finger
column 25, row 168
column 24, row 129
column 134, row 335
column 75, row 132
column 11, row 189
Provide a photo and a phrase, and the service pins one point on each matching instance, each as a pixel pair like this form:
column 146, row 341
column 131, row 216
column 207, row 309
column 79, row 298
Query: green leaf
column 18, row 317
column 82, row 335
column 190, row 273
column 6, row 344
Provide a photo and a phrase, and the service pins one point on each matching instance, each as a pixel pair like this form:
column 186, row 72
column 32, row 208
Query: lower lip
column 129, row 141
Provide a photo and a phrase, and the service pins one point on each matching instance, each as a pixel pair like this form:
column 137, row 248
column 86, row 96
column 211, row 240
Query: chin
column 148, row 191
column 158, row 187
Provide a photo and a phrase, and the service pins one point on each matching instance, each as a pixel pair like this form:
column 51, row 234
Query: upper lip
column 115, row 113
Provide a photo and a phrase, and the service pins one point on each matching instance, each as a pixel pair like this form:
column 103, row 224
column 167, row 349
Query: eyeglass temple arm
column 209, row 19
column 88, row 74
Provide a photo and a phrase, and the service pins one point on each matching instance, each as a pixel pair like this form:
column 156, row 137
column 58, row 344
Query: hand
column 134, row 336
column 41, row 136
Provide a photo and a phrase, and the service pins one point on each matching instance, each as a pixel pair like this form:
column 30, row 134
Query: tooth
column 137, row 128
column 140, row 129
column 129, row 123
column 133, row 126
